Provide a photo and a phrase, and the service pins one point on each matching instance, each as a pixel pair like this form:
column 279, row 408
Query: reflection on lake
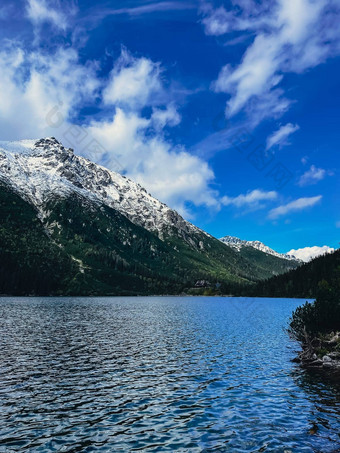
column 158, row 374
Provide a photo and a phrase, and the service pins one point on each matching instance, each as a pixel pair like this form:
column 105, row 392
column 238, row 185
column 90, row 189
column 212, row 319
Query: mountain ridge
column 238, row 243
column 65, row 172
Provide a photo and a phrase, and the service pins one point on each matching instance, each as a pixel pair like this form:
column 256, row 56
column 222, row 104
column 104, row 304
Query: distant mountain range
column 239, row 244
column 70, row 226
column 303, row 255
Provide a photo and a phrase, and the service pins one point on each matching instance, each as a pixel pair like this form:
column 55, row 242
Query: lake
column 186, row 374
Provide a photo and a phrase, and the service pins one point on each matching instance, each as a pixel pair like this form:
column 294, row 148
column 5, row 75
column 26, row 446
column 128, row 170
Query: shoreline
column 321, row 353
column 156, row 295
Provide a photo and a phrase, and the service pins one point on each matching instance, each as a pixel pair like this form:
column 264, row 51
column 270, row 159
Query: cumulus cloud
column 44, row 94
column 279, row 137
column 308, row 253
column 312, row 176
column 32, row 84
column 168, row 116
column 171, row 174
column 290, row 36
column 296, row 205
column 133, row 82
column 251, row 199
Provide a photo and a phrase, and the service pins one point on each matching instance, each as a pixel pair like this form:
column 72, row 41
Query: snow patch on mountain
column 238, row 244
column 40, row 170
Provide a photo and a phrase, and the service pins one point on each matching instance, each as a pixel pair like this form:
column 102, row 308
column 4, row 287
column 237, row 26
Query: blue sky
column 227, row 111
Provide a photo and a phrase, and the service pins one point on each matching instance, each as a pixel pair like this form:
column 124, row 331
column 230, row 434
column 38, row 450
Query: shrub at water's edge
column 317, row 326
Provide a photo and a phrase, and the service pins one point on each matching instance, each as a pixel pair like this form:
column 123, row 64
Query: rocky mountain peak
column 43, row 169
column 238, row 244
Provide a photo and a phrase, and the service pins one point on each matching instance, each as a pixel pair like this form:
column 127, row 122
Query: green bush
column 321, row 316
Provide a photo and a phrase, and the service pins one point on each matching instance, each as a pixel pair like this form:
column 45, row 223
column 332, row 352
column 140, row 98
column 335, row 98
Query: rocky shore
column 321, row 352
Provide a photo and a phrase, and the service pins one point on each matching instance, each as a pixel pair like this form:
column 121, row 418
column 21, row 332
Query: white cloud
column 177, row 177
column 133, row 82
column 39, row 11
column 252, row 199
column 44, row 93
column 280, row 136
column 296, row 205
column 290, row 36
column 308, row 253
column 33, row 84
column 147, row 9
column 312, row 176
column 217, row 22
column 172, row 175
column 271, row 105
column 166, row 117
column 169, row 173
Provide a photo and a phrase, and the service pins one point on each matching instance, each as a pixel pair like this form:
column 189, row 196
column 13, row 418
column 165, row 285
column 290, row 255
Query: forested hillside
column 82, row 248
column 301, row 282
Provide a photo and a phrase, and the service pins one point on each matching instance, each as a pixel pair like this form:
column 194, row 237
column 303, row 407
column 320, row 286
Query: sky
column 227, row 111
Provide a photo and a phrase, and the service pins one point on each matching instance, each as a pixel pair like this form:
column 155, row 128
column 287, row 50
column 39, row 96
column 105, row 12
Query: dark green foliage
column 30, row 263
column 301, row 282
column 318, row 279
column 267, row 265
column 123, row 256
column 321, row 316
column 83, row 248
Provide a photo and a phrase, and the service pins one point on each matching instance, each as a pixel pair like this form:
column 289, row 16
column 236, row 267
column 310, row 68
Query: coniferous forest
column 303, row 282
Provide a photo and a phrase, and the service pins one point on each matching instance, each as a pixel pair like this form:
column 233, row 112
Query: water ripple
column 158, row 374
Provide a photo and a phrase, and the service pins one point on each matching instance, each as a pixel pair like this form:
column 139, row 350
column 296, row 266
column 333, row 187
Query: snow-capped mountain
column 70, row 226
column 39, row 170
column 238, row 244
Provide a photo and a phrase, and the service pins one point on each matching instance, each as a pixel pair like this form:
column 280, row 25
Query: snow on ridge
column 42, row 169
column 238, row 244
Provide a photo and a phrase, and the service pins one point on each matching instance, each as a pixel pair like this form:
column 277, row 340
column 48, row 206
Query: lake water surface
column 158, row 374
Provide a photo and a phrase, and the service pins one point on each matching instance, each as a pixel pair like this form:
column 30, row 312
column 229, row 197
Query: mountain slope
column 264, row 257
column 239, row 244
column 81, row 248
column 104, row 232
column 304, row 281
column 39, row 169
column 30, row 262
